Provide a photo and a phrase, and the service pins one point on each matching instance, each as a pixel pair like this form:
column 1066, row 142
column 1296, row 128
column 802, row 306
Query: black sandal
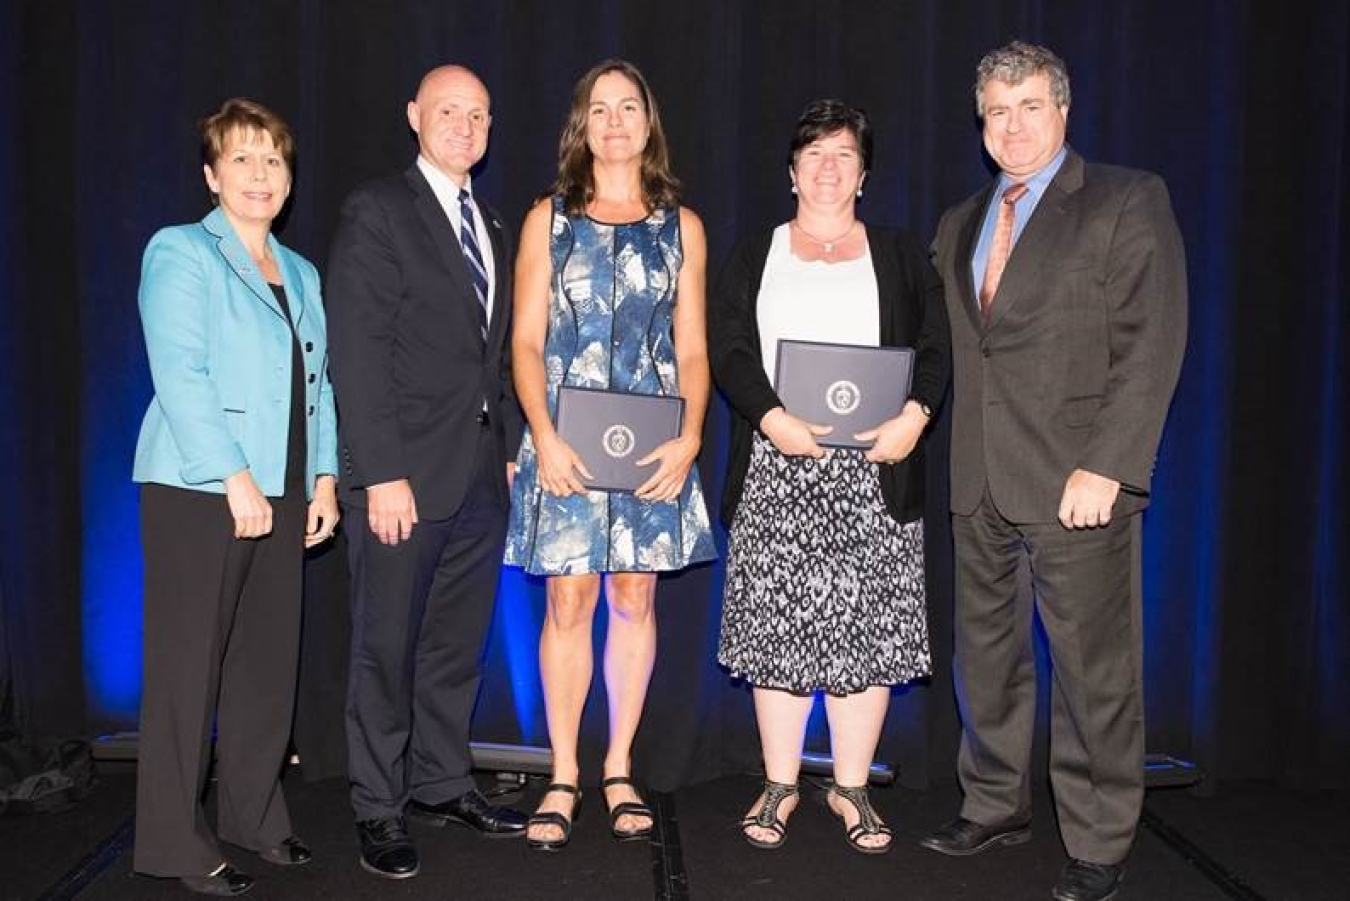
column 775, row 793
column 554, row 818
column 869, row 822
column 627, row 808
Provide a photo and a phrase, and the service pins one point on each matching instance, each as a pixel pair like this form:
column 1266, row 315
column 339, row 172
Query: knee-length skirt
column 824, row 590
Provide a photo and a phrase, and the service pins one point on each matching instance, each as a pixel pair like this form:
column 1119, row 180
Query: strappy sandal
column 630, row 809
column 869, row 823
column 775, row 793
column 554, row 818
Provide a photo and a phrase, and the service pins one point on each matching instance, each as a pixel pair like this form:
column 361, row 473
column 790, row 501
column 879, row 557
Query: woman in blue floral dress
column 609, row 294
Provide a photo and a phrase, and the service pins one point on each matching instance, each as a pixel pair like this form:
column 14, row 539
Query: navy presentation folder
column 611, row 431
column 850, row 387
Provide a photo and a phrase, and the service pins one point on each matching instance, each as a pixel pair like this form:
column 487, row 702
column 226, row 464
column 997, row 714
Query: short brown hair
column 576, row 182
column 247, row 116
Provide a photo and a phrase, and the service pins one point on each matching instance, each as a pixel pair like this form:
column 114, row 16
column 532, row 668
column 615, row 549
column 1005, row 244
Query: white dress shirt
column 447, row 194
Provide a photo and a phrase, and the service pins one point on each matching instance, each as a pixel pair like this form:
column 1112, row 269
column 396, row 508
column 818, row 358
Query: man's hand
column 1087, row 500
column 392, row 510
column 792, row 436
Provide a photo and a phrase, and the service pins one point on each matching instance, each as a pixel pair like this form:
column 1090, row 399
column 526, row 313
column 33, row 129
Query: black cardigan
column 913, row 314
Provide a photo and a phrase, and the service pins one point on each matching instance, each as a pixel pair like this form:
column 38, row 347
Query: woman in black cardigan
column 824, row 585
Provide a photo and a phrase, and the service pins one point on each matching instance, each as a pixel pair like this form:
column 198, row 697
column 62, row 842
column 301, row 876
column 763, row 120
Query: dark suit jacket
column 912, row 315
column 1078, row 363
column 409, row 368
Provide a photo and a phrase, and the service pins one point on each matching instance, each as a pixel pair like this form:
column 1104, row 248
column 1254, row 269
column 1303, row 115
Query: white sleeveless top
column 831, row 302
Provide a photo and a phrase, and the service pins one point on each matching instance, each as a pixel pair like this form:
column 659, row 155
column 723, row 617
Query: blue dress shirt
column 1022, row 210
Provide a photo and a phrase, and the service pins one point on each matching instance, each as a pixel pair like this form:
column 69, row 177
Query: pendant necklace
column 827, row 245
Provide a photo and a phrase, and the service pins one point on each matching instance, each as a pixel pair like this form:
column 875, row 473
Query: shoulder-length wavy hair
column 576, row 181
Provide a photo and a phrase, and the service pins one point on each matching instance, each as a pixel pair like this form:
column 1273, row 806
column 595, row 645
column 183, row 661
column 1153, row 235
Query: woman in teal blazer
column 237, row 458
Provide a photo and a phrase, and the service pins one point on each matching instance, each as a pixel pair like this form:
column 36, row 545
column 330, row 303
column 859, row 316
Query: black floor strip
column 669, row 881
column 94, row 864
column 1228, row 882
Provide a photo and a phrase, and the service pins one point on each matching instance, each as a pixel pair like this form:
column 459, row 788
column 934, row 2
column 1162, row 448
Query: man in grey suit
column 1066, row 291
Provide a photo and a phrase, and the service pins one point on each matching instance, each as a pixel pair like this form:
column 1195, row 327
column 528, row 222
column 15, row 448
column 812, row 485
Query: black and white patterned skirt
column 824, row 590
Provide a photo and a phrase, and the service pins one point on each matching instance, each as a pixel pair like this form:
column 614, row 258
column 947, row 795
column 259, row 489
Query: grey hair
column 1016, row 62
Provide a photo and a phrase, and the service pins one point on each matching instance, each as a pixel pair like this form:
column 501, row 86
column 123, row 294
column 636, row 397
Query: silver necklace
column 828, row 245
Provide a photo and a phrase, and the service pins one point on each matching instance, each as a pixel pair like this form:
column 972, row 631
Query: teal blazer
column 220, row 359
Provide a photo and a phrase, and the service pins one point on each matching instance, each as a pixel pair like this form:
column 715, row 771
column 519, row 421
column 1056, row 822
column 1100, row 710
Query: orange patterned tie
column 1001, row 248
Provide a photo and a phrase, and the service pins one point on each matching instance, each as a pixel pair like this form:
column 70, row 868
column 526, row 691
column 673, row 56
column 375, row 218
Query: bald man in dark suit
column 419, row 314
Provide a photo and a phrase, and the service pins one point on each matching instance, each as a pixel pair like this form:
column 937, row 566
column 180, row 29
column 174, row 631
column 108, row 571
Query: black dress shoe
column 386, row 849
column 962, row 837
column 1083, row 881
column 290, row 853
column 225, row 882
column 473, row 810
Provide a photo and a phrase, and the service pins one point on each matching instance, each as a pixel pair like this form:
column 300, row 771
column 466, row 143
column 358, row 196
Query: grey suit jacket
column 1077, row 365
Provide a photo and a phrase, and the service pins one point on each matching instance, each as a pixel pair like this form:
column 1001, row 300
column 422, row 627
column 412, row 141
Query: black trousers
column 420, row 613
column 221, row 640
column 1086, row 585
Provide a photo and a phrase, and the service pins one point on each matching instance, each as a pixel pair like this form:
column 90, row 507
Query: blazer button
column 312, row 377
column 309, row 346
column 311, row 409
column 984, row 352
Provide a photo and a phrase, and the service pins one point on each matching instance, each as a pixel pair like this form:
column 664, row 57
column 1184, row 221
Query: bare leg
column 855, row 729
column 565, row 665
column 782, row 718
column 630, row 653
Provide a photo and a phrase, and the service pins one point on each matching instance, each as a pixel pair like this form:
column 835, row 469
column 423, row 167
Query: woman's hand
column 559, row 465
column 251, row 511
column 792, row 436
column 675, row 458
column 894, row 439
column 323, row 512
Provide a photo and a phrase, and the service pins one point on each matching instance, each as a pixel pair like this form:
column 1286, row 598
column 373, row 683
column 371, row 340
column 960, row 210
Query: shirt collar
column 444, row 187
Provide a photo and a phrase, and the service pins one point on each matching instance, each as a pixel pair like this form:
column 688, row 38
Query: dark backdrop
column 1240, row 106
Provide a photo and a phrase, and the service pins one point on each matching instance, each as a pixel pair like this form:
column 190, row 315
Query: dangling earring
column 794, row 187
column 860, row 192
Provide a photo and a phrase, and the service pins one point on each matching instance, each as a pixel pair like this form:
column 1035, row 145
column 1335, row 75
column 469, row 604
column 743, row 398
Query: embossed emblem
column 842, row 397
column 618, row 441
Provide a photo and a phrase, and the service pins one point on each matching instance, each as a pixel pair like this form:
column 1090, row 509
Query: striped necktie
column 474, row 257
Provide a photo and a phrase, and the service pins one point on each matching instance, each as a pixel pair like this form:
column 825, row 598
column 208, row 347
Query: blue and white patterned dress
column 611, row 301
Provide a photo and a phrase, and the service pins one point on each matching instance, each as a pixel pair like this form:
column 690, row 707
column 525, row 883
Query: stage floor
column 1250, row 841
